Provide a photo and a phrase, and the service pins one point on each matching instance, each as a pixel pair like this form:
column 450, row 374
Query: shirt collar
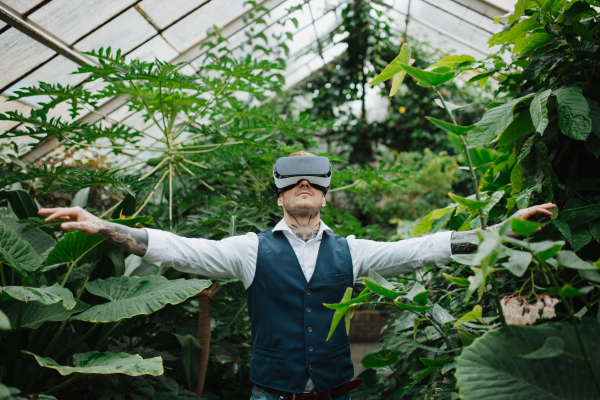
column 283, row 226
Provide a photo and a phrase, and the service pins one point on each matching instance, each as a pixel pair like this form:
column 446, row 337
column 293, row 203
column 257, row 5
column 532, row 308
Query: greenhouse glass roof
column 44, row 40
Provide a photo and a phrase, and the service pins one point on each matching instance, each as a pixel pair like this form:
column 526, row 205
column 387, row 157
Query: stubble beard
column 301, row 211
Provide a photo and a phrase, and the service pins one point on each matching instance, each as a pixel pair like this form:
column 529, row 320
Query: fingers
column 61, row 213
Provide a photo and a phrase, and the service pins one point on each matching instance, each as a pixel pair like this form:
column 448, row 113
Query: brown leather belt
column 314, row 395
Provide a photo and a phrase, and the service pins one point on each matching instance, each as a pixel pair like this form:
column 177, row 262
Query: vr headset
column 289, row 171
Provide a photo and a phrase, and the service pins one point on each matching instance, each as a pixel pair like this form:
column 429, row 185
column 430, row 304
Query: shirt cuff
column 441, row 248
column 156, row 246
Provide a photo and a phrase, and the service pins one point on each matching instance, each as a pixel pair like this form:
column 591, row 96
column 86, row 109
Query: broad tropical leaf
column 468, row 202
column 432, row 78
column 523, row 227
column 21, row 203
column 493, row 123
column 95, row 362
column 493, row 367
column 46, row 295
column 4, row 322
column 451, row 128
column 539, row 111
column 131, row 296
column 573, row 113
column 394, row 67
column 41, row 242
column 453, row 61
column 515, row 32
column 17, row 253
column 75, row 245
column 35, row 313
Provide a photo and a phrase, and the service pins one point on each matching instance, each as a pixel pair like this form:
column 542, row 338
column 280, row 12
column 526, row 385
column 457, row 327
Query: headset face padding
column 289, row 171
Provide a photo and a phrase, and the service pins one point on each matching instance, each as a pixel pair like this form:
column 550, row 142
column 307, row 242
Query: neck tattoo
column 307, row 229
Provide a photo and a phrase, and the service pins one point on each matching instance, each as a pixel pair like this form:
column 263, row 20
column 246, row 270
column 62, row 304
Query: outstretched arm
column 133, row 240
column 457, row 241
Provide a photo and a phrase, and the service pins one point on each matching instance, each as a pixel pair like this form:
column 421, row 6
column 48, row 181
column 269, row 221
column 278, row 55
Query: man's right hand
column 75, row 218
column 133, row 240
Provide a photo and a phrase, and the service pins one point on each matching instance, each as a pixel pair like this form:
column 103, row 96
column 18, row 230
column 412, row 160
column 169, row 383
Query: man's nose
column 304, row 183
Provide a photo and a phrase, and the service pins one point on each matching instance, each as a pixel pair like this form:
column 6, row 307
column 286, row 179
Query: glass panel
column 57, row 70
column 72, row 19
column 11, row 106
column 192, row 29
column 125, row 32
column 155, row 47
column 22, row 6
column 163, row 13
column 20, row 54
column 2, row 24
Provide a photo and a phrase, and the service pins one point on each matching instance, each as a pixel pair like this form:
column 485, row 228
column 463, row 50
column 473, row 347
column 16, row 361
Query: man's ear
column 279, row 201
column 323, row 202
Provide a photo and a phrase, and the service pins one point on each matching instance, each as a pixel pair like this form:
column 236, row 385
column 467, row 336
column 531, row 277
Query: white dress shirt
column 235, row 257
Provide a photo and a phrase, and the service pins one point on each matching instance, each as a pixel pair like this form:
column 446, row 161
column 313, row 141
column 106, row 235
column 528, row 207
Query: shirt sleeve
column 402, row 257
column 234, row 257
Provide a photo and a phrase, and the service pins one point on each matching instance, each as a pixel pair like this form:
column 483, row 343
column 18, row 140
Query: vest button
column 310, row 366
column 309, row 329
column 308, row 309
column 308, row 292
column 310, row 348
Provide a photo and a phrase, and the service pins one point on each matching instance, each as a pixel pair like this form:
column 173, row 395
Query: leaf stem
column 64, row 384
column 69, row 350
column 497, row 299
column 2, row 274
column 67, row 275
column 468, row 157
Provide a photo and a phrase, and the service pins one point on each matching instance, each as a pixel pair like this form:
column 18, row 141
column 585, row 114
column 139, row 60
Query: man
column 288, row 272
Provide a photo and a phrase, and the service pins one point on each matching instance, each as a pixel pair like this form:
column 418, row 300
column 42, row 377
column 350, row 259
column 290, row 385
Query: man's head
column 302, row 199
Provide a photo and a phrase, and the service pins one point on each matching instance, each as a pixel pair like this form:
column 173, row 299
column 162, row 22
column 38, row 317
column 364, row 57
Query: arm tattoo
column 458, row 245
column 133, row 240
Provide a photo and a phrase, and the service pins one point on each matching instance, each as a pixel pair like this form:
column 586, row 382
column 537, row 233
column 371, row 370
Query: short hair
column 301, row 153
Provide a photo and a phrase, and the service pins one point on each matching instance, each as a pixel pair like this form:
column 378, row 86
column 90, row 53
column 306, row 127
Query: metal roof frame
column 20, row 22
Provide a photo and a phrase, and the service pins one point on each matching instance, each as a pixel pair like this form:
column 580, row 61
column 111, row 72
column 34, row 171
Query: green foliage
column 105, row 363
column 486, row 369
column 131, row 296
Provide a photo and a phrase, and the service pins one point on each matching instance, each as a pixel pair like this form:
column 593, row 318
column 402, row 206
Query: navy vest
column 290, row 323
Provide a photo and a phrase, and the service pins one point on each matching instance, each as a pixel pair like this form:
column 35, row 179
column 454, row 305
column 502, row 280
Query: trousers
column 260, row 394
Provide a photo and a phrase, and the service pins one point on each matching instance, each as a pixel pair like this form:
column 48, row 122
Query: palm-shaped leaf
column 131, row 296
column 17, row 252
column 35, row 314
column 95, row 362
column 46, row 295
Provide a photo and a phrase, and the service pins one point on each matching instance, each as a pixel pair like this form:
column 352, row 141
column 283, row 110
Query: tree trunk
column 205, row 300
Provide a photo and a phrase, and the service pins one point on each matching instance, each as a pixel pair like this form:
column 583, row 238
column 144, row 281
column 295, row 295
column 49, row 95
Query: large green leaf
column 45, row 295
column 4, row 322
column 527, row 43
column 394, row 67
column 17, row 252
column 404, row 58
column 380, row 290
column 75, row 245
column 453, row 61
column 523, row 227
column 340, row 312
column 21, row 203
column 450, row 128
column 35, row 313
column 539, row 111
column 493, row 123
column 41, row 242
column 432, row 78
column 95, row 362
column 492, row 368
column 573, row 113
column 468, row 202
column 131, row 296
column 515, row 32
column 381, row 358
column 518, row 261
column 568, row 259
